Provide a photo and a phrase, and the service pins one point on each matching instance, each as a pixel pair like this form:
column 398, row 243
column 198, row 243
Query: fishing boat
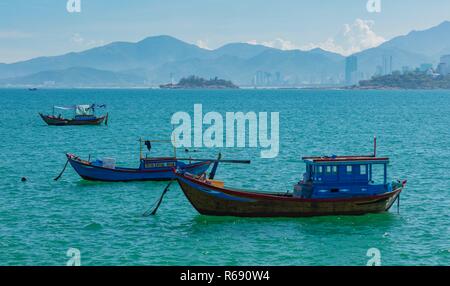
column 335, row 185
column 150, row 168
column 84, row 115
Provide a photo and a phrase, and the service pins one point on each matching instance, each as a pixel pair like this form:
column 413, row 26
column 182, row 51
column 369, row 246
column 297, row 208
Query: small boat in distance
column 83, row 115
column 32, row 89
column 336, row 185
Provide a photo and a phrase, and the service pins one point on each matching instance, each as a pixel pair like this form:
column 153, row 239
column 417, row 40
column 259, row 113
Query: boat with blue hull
column 335, row 185
column 150, row 169
column 83, row 115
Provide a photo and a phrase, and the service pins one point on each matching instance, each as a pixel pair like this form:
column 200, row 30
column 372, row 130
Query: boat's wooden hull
column 210, row 200
column 64, row 122
column 95, row 173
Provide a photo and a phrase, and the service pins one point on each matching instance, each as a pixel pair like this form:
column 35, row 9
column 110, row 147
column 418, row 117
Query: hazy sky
column 30, row 28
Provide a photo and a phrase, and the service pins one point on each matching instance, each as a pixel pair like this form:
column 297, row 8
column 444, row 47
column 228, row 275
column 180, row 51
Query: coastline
column 213, row 89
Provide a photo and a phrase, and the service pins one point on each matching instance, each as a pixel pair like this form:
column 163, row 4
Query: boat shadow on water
column 341, row 227
column 377, row 220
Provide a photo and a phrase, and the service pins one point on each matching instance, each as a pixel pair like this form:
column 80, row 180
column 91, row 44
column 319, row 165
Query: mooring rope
column 62, row 172
column 154, row 208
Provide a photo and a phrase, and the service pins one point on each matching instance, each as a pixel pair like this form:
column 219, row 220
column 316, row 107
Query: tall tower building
column 444, row 66
column 387, row 65
column 351, row 69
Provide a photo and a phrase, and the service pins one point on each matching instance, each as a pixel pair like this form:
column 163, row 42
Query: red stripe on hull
column 235, row 203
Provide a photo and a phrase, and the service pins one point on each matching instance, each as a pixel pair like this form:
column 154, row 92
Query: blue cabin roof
column 347, row 175
column 345, row 160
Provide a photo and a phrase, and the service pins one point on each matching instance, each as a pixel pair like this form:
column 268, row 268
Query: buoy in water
column 24, row 179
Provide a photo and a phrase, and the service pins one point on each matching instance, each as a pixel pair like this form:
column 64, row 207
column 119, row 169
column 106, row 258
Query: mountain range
column 161, row 59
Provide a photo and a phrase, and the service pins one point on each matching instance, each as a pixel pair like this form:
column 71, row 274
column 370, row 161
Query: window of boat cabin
column 363, row 169
column 334, row 170
column 315, row 172
column 349, row 169
column 149, row 165
column 328, row 173
column 361, row 174
column 353, row 173
column 377, row 173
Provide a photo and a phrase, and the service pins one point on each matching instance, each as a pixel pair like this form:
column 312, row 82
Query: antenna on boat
column 140, row 148
column 174, row 143
column 375, row 146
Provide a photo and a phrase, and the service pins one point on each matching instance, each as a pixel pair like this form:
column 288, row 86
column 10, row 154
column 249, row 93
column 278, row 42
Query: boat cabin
column 342, row 176
column 152, row 163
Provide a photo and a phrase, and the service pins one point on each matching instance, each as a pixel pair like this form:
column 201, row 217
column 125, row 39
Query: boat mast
column 375, row 146
column 140, row 148
column 154, row 141
column 174, row 146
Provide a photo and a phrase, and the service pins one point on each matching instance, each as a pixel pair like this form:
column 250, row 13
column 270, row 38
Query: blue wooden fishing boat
column 83, row 115
column 150, row 169
column 334, row 185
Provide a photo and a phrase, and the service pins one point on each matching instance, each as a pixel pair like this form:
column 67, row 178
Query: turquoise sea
column 41, row 219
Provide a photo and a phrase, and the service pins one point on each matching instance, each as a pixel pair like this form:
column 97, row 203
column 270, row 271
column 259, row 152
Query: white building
column 444, row 66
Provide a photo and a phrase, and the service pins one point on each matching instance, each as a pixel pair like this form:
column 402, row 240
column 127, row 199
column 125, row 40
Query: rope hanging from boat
column 62, row 172
column 154, row 208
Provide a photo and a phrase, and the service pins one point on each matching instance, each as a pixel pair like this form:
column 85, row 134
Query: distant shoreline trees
column 199, row 82
column 410, row 80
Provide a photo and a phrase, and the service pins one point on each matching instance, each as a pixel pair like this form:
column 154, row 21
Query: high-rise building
column 263, row 78
column 351, row 69
column 442, row 69
column 444, row 66
column 387, row 65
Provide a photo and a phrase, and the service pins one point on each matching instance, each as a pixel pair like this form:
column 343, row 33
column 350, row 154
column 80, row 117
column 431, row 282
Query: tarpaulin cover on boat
column 84, row 110
column 64, row 107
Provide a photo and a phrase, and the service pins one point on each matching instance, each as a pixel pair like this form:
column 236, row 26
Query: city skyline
column 45, row 28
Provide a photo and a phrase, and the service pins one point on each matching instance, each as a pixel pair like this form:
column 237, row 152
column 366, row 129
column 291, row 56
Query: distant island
column 411, row 80
column 195, row 82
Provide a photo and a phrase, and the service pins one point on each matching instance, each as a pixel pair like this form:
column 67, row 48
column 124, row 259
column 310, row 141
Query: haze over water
column 41, row 219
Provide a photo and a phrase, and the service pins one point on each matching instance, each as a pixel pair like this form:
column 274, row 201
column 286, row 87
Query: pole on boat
column 375, row 146
column 140, row 148
column 153, row 210
column 398, row 204
column 214, row 169
column 62, row 172
column 174, row 143
column 106, row 119
column 213, row 160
